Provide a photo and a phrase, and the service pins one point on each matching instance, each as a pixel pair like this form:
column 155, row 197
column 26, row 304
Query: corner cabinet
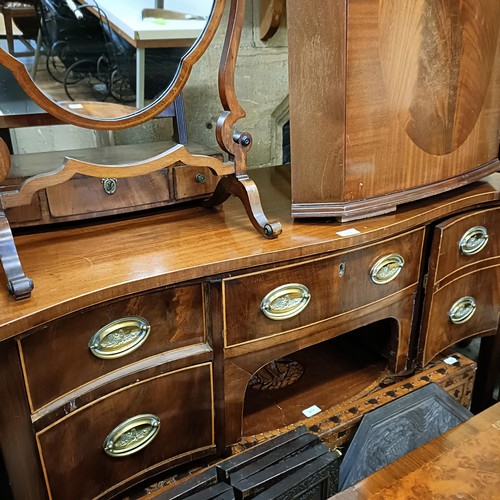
column 130, row 359
column 390, row 102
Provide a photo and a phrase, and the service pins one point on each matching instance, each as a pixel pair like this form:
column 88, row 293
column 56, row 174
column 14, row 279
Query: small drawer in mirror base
column 190, row 182
column 72, row 449
column 88, row 197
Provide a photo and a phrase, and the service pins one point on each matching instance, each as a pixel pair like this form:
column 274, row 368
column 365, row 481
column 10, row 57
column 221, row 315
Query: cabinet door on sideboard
column 463, row 286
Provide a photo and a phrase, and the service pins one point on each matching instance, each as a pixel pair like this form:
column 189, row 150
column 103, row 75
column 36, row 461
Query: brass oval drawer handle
column 285, row 301
column 132, row 435
column 473, row 240
column 120, row 337
column 386, row 269
column 462, row 310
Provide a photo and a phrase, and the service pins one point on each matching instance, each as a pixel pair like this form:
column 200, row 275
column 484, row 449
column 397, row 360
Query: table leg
column 140, row 77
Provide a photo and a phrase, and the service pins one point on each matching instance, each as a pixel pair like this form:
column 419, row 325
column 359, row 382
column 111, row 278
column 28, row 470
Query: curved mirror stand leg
column 18, row 284
column 241, row 186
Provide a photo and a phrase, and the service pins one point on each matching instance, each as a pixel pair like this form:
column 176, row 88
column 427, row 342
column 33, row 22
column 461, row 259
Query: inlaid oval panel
column 437, row 58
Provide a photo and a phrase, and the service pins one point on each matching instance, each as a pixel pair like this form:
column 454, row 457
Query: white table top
column 127, row 16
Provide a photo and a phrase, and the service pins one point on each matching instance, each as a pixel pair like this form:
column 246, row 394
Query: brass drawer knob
column 473, row 240
column 386, row 269
column 132, row 435
column 462, row 310
column 120, row 337
column 285, row 301
column 109, row 185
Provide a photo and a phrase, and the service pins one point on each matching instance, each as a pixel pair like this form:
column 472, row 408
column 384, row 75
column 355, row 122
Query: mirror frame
column 233, row 181
column 21, row 73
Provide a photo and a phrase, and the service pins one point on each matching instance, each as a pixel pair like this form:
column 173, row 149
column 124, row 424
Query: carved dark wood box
column 397, row 428
column 293, row 465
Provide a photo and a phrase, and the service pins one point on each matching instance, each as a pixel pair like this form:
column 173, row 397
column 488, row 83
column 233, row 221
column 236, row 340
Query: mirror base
column 241, row 186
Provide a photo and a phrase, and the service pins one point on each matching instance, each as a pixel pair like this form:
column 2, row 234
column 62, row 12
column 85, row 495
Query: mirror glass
column 106, row 58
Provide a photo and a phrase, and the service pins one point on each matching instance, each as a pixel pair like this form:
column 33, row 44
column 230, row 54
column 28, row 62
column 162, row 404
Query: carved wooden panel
column 398, row 428
column 337, row 425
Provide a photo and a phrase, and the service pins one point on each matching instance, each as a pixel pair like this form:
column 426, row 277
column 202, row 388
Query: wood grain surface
column 462, row 463
column 78, row 267
column 73, row 459
column 390, row 101
column 453, row 275
column 175, row 317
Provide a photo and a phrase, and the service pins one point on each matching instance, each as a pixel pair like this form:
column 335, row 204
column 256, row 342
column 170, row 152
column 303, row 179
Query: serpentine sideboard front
column 136, row 348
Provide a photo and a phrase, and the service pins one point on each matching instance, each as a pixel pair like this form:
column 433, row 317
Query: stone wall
column 261, row 86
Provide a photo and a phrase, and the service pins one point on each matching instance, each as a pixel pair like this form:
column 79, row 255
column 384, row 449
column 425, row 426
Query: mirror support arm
column 235, row 143
column 18, row 284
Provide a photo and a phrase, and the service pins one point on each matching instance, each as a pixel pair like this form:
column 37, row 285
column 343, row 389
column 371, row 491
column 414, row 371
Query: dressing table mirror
column 128, row 65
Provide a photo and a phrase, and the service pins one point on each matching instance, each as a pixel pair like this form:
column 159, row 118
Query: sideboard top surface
column 78, row 267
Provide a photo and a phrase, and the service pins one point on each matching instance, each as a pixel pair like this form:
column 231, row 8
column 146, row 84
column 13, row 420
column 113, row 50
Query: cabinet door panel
column 72, row 449
column 463, row 308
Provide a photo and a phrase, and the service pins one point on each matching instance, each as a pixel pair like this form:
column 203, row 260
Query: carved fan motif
column 276, row 375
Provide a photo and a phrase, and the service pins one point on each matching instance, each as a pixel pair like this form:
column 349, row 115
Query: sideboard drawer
column 465, row 307
column 268, row 303
column 93, row 343
column 169, row 419
column 466, row 239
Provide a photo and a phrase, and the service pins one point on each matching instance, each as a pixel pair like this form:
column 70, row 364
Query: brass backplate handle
column 285, row 301
column 386, row 269
column 132, row 435
column 120, row 337
column 473, row 240
column 462, row 310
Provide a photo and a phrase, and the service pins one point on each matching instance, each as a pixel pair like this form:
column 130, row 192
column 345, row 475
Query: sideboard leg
column 18, row 284
column 487, row 373
column 241, row 186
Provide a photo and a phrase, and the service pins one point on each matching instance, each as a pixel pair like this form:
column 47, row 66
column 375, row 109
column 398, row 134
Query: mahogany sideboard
column 134, row 352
